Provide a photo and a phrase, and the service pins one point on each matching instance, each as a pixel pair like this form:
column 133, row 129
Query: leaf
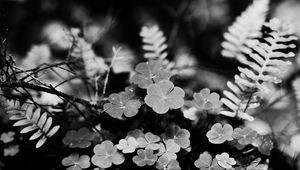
column 245, row 136
column 242, row 34
column 181, row 136
column 205, row 162
column 144, row 157
column 106, row 154
column 225, row 161
column 154, row 42
column 171, row 149
column 127, row 145
column 79, row 139
column 219, row 134
column 204, row 100
column 76, row 162
column 164, row 96
column 149, row 141
column 122, row 103
column 149, row 73
column 7, row 137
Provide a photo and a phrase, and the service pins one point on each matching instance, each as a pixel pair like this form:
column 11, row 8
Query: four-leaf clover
column 205, row 162
column 144, row 157
column 149, row 72
column 225, row 161
column 127, row 145
column 204, row 100
column 245, row 136
column 76, row 163
column 219, row 134
column 164, row 96
column 120, row 104
column 106, row 154
column 79, row 139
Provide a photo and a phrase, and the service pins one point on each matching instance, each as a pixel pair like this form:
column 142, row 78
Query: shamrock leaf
column 256, row 166
column 11, row 150
column 219, row 134
column 180, row 136
column 164, row 164
column 7, row 137
column 76, row 163
column 245, row 136
column 164, row 96
column 136, row 133
column 122, row 103
column 204, row 100
column 144, row 157
column 79, row 139
column 149, row 141
column 149, row 72
column 171, row 149
column 264, row 144
column 106, row 154
column 225, row 161
column 205, row 162
column 127, row 145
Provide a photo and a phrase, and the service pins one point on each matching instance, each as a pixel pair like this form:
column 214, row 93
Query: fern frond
column 269, row 56
column 154, row 42
column 296, row 87
column 242, row 35
column 32, row 121
column 92, row 64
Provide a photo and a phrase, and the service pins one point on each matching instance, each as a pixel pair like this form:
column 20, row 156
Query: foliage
column 106, row 154
column 76, row 163
column 204, row 100
column 244, row 136
column 144, row 157
column 219, row 134
column 79, row 139
column 164, row 96
column 7, row 137
column 225, row 161
column 206, row 162
column 128, row 145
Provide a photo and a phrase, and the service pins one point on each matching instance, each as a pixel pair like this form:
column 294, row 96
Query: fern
column 246, row 29
column 32, row 121
column 296, row 87
column 154, row 43
column 268, row 62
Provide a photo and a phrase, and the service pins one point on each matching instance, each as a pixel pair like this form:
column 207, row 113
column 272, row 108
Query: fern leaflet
column 31, row 120
column 243, row 33
column 154, row 42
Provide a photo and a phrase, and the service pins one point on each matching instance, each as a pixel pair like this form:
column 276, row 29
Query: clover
column 149, row 141
column 219, row 134
column 122, row 103
column 225, row 161
column 164, row 164
column 106, row 154
column 7, row 137
column 136, row 133
column 144, row 157
column 205, row 162
column 181, row 136
column 171, row 149
column 264, row 144
column 127, row 145
column 244, row 136
column 77, row 163
column 149, row 72
column 79, row 139
column 11, row 150
column 204, row 100
column 164, row 96
column 255, row 165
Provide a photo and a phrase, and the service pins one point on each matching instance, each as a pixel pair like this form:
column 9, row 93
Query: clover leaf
column 264, row 144
column 77, row 163
column 136, row 133
column 180, row 136
column 7, row 137
column 106, row 154
column 225, row 161
column 164, row 164
column 164, row 96
column 11, row 150
column 205, row 162
column 122, row 103
column 219, row 134
column 149, row 72
column 79, row 139
column 171, row 149
column 149, row 141
column 255, row 165
column 144, row 157
column 127, row 145
column 244, row 136
column 204, row 100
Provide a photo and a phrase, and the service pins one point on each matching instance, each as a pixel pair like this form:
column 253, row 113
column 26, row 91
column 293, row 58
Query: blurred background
column 193, row 28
